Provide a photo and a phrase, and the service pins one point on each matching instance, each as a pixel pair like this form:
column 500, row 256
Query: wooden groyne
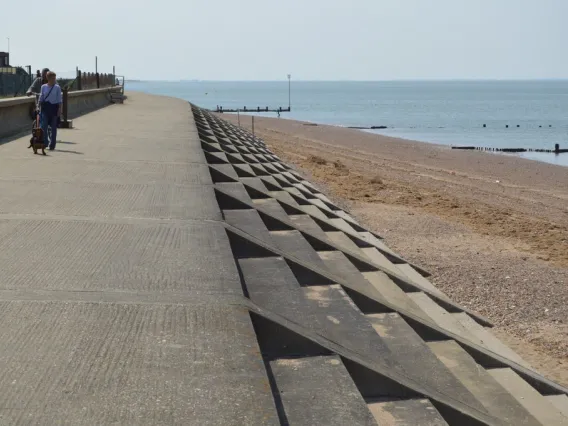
column 221, row 110
column 556, row 149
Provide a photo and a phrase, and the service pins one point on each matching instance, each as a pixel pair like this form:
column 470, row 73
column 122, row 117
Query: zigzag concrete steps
column 442, row 317
column 365, row 373
column 418, row 279
column 238, row 193
column 304, row 310
column 409, row 347
column 496, row 399
column 487, row 339
column 372, row 236
column 399, row 300
column 539, row 407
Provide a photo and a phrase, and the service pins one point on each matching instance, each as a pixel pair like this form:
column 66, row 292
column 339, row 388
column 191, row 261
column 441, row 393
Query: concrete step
column 409, row 347
column 294, row 243
column 371, row 239
column 418, row 279
column 320, row 204
column 343, row 225
column 442, row 317
column 537, row 405
column 380, row 259
column 344, row 215
column 305, row 222
column 487, row 339
column 314, row 211
column 271, row 206
column 393, row 293
column 494, row 397
column 284, row 197
column 343, row 241
column 319, row 391
column 409, row 412
column 560, row 402
column 295, row 191
column 338, row 264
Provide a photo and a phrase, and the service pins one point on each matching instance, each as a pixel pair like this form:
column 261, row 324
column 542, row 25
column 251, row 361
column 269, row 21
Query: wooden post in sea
column 557, row 148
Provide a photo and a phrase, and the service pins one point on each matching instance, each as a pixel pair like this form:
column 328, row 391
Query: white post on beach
column 239, row 116
column 252, row 125
column 289, row 103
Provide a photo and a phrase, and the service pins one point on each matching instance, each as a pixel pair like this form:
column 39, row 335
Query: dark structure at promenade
column 164, row 267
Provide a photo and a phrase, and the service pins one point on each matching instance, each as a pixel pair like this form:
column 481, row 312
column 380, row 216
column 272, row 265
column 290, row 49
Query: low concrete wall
column 15, row 113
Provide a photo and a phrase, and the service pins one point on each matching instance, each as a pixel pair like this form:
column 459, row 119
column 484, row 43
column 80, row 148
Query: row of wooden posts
column 92, row 80
column 556, row 150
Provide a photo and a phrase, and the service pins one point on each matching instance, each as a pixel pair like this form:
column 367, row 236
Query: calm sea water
column 450, row 112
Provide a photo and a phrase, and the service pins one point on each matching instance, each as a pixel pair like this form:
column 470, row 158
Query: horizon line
column 196, row 80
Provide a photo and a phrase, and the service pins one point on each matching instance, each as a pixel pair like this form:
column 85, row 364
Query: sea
column 496, row 114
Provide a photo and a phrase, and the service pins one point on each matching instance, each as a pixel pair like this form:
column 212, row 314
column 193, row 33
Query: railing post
column 65, row 123
column 65, row 103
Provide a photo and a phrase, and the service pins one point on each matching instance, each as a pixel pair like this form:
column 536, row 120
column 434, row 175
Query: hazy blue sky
column 312, row 39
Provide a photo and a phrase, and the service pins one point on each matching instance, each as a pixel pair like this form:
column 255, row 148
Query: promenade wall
column 16, row 113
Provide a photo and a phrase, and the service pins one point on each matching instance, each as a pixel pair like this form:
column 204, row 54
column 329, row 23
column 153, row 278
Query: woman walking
column 50, row 101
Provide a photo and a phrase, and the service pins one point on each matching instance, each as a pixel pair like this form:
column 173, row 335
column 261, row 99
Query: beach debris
column 376, row 180
column 497, row 181
column 317, row 159
column 339, row 165
column 367, row 128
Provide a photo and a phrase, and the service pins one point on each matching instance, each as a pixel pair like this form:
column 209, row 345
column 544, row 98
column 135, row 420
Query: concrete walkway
column 119, row 296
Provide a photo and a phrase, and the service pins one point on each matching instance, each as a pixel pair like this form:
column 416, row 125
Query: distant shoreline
column 380, row 130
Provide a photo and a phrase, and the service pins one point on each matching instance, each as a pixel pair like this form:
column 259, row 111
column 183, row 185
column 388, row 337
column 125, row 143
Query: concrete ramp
column 164, row 267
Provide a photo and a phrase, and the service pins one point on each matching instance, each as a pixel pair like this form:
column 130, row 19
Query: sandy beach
column 492, row 229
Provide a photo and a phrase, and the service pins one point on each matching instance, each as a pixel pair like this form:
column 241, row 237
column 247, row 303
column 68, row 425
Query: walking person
column 38, row 82
column 50, row 101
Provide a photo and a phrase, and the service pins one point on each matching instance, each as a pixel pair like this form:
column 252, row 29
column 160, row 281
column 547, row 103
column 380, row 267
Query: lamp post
column 289, row 103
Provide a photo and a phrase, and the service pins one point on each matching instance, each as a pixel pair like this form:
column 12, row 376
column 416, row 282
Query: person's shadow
column 67, row 151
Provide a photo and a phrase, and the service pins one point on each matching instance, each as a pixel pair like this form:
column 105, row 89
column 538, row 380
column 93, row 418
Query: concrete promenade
column 119, row 294
column 163, row 267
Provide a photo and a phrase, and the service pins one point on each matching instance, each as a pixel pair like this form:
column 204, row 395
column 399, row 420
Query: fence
column 14, row 81
column 91, row 80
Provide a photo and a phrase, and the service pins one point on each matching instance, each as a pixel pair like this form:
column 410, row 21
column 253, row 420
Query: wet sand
column 492, row 229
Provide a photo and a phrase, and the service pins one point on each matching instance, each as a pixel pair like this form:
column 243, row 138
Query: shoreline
column 529, row 155
column 492, row 229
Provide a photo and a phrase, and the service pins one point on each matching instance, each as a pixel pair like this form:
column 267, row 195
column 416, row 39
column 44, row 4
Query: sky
column 310, row 39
